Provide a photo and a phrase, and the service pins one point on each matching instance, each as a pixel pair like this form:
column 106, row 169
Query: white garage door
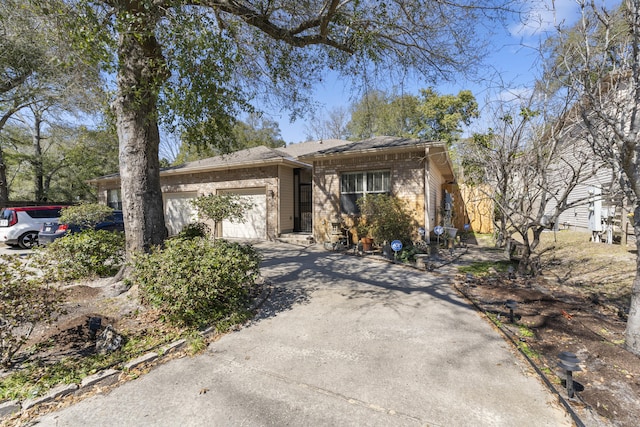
column 255, row 220
column 178, row 211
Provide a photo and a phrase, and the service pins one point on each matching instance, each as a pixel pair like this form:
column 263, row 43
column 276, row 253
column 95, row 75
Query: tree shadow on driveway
column 298, row 272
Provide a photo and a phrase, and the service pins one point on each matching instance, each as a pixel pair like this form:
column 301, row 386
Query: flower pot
column 451, row 231
column 367, row 244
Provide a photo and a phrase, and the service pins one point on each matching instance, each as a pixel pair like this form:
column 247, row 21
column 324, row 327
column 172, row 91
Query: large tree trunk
column 630, row 160
column 140, row 75
column 632, row 333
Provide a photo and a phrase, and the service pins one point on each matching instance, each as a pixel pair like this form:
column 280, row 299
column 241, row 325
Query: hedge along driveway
column 341, row 341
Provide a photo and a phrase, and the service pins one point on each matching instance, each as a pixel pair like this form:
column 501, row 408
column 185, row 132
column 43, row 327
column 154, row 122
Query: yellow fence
column 472, row 206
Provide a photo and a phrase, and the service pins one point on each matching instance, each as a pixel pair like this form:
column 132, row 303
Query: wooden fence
column 471, row 206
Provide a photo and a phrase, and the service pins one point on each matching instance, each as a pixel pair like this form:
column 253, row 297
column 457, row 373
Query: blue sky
column 513, row 61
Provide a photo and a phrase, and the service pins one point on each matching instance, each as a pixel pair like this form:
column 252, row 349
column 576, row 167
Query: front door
column 305, row 206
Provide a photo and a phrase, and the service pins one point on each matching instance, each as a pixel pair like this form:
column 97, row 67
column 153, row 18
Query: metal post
column 570, row 384
column 511, row 305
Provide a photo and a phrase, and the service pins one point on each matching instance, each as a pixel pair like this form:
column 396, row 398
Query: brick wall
column 407, row 182
column 211, row 182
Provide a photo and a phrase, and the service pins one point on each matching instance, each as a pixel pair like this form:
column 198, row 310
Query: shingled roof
column 294, row 155
column 250, row 157
column 372, row 144
column 260, row 154
column 304, row 148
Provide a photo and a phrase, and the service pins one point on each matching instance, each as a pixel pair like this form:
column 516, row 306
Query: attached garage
column 271, row 179
column 178, row 211
column 255, row 221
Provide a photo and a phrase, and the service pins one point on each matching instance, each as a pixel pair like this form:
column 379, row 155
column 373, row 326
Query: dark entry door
column 305, row 207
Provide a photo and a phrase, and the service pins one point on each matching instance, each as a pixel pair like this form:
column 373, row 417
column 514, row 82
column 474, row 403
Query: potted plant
column 363, row 231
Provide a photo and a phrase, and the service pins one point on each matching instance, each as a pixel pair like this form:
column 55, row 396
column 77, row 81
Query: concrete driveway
column 10, row 250
column 343, row 341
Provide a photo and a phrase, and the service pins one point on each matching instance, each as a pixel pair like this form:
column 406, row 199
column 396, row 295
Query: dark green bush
column 88, row 254
column 194, row 230
column 196, row 282
column 387, row 218
column 85, row 214
column 408, row 254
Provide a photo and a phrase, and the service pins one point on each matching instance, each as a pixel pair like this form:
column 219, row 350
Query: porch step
column 301, row 239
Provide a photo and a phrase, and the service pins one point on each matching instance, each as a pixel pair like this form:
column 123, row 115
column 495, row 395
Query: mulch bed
column 608, row 387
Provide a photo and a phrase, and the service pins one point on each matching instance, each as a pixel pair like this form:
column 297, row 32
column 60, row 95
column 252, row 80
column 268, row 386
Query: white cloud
column 514, row 95
column 543, row 16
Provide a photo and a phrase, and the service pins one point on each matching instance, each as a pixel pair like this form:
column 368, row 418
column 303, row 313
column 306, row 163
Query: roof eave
column 449, row 174
column 212, row 168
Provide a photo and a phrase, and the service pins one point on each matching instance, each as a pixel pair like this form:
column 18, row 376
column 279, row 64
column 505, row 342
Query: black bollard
column 569, row 363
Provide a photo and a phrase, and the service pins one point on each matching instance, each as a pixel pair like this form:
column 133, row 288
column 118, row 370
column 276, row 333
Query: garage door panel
column 178, row 211
column 254, row 225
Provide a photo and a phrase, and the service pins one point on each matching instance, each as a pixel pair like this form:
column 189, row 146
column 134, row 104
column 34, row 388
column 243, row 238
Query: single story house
column 304, row 187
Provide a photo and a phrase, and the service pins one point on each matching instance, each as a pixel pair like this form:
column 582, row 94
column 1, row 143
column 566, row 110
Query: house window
column 114, row 199
column 354, row 185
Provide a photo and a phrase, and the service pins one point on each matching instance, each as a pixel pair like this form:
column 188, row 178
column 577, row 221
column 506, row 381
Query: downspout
column 278, row 203
column 427, row 196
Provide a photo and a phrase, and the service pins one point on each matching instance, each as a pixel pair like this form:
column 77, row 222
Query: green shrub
column 386, row 218
column 408, row 254
column 85, row 214
column 24, row 302
column 194, row 230
column 88, row 254
column 196, row 282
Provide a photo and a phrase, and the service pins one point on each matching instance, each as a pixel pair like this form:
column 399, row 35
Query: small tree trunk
column 4, row 185
column 38, row 174
column 525, row 260
column 529, row 262
column 632, row 333
column 140, row 76
column 500, row 232
column 534, row 260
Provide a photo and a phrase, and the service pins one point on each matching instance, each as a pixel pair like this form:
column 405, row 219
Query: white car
column 19, row 226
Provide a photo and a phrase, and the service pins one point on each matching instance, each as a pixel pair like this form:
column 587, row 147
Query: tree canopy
column 428, row 116
column 193, row 65
column 42, row 80
column 331, row 125
column 68, row 157
column 253, row 132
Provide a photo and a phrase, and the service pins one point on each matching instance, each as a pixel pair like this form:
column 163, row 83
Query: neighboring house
column 304, row 187
column 597, row 204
